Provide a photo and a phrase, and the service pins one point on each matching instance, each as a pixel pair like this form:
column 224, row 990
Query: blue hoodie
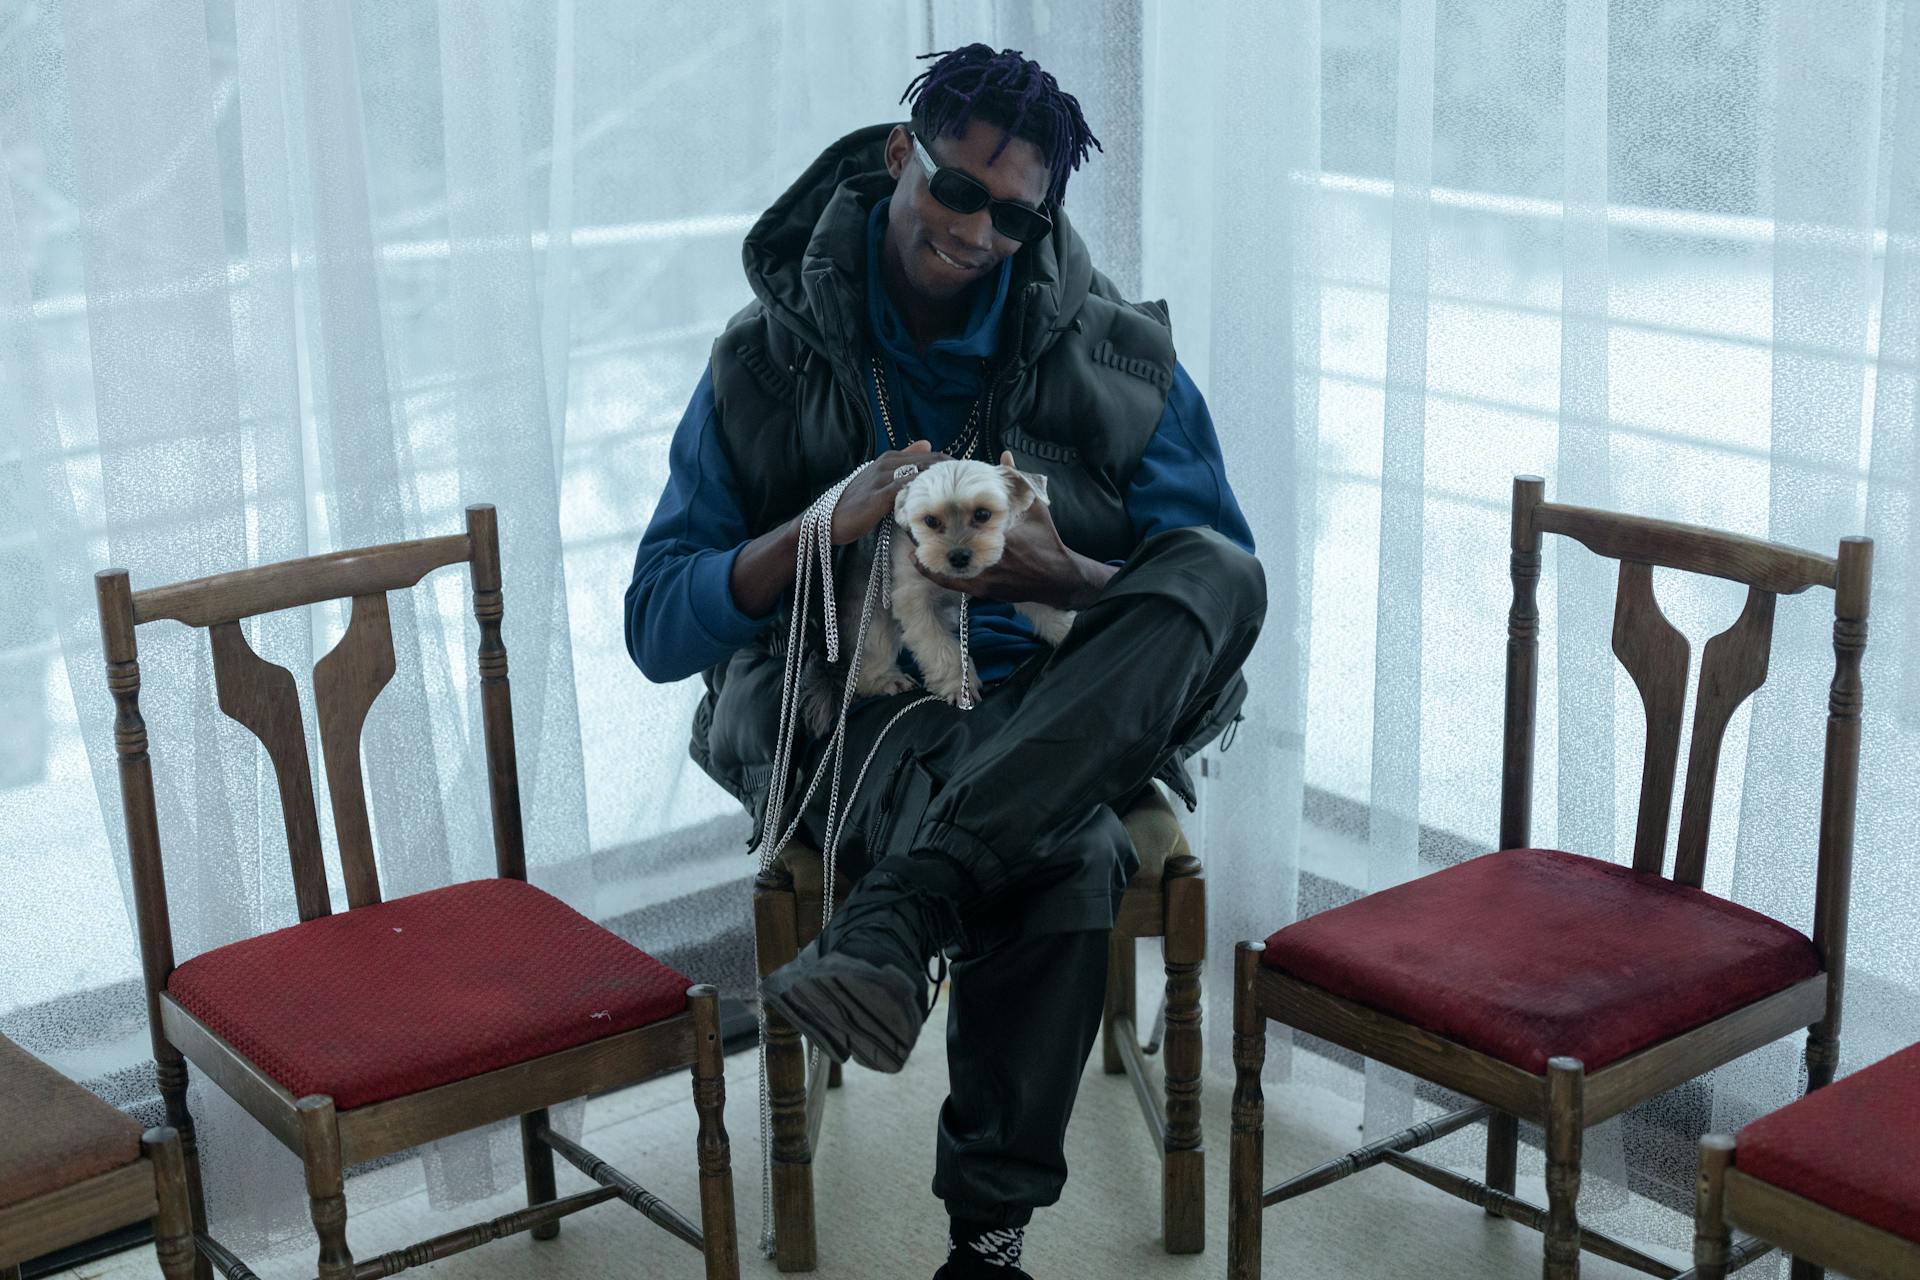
column 681, row 615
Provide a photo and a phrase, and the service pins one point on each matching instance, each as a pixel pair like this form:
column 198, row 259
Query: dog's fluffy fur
column 954, row 519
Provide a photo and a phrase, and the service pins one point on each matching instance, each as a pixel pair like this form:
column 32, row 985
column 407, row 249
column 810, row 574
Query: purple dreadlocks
column 1009, row 90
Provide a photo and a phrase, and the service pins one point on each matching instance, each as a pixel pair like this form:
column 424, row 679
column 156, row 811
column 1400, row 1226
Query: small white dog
column 953, row 518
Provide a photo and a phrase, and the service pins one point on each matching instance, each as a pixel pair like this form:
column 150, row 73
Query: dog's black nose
column 959, row 557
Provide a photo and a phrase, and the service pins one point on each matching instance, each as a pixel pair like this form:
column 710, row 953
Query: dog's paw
column 949, row 685
column 1049, row 623
column 894, row 681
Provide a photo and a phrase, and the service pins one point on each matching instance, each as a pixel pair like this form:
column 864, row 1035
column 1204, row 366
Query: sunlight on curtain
column 1660, row 253
column 279, row 278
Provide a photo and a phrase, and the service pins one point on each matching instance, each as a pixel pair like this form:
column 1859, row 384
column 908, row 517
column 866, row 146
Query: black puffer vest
column 1080, row 386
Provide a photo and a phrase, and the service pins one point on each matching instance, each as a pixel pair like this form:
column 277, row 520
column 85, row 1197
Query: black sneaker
column 860, row 990
column 1002, row 1273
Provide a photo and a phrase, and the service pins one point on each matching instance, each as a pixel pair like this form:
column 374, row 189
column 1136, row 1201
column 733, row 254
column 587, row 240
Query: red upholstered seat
column 1848, row 1146
column 1531, row 954
column 401, row 996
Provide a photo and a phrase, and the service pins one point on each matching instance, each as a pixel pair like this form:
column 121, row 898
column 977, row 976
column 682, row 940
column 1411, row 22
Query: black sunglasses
column 963, row 194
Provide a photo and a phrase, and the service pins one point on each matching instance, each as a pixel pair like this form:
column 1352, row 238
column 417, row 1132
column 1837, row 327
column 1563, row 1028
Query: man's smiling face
column 942, row 252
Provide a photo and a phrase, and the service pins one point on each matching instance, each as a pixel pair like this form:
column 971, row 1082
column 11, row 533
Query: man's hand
column 1036, row 567
column 869, row 499
column 763, row 569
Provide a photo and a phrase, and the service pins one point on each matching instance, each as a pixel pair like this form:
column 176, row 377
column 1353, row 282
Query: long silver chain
column 816, row 549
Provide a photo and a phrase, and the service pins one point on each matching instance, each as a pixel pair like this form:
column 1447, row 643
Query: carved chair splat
column 1733, row 667
column 345, row 683
column 261, row 696
column 1656, row 655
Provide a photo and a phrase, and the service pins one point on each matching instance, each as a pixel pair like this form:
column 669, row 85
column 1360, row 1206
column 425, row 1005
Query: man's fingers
column 917, row 453
column 966, row 586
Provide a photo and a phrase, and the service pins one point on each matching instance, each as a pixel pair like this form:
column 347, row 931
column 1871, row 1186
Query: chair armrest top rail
column 1767, row 565
column 226, row 597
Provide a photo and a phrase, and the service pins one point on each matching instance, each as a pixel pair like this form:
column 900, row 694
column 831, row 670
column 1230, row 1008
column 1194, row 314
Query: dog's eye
column 982, row 515
column 933, row 522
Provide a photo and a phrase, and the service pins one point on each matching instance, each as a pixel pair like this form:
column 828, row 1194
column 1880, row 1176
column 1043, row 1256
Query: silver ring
column 905, row 471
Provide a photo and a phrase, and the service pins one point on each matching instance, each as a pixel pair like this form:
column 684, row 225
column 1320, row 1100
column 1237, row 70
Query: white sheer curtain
column 277, row 278
column 1660, row 252
column 220, row 356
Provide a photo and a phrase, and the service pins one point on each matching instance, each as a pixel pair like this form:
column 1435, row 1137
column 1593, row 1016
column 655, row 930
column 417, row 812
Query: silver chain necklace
column 964, row 445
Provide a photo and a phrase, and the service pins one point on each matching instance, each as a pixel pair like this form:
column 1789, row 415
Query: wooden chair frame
column 1567, row 1099
column 1175, row 910
column 152, row 1188
column 263, row 697
column 1816, row 1236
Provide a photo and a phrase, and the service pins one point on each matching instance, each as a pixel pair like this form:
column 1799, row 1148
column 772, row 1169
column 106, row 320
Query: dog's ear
column 1023, row 488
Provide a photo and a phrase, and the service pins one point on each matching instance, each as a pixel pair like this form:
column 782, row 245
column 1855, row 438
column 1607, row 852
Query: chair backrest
column 1733, row 665
column 262, row 696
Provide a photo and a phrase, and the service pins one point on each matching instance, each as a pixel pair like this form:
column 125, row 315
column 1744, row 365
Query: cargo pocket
column 909, row 790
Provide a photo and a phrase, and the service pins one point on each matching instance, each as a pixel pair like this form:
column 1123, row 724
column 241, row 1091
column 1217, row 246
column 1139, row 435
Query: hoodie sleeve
column 1181, row 481
column 681, row 615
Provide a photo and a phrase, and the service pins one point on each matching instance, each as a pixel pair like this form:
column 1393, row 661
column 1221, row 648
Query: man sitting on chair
column 919, row 295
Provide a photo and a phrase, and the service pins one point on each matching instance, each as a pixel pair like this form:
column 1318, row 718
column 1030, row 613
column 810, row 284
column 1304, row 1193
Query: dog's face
column 958, row 513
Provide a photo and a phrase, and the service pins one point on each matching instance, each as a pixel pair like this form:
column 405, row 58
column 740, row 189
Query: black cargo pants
column 1020, row 793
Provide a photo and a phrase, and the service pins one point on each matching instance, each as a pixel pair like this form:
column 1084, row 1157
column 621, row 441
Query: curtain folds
column 280, row 278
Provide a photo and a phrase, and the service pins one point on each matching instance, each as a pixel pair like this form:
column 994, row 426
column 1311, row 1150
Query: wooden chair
column 396, row 1023
column 1167, row 900
column 1560, row 989
column 73, row 1167
column 1831, row 1178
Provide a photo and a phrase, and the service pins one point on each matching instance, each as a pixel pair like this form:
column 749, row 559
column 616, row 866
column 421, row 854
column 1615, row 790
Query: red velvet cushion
column 1532, row 954
column 421, row 991
column 1849, row 1146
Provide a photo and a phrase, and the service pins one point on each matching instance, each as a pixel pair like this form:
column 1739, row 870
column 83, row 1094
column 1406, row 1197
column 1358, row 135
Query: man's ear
column 1023, row 489
column 899, row 151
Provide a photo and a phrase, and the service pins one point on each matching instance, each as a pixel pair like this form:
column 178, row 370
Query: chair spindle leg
column 173, row 1218
column 326, row 1185
column 1247, row 1165
column 1566, row 1080
column 1503, row 1152
column 538, row 1159
column 717, row 1220
column 1183, row 1206
column 1121, row 980
column 1711, row 1237
column 170, row 1070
